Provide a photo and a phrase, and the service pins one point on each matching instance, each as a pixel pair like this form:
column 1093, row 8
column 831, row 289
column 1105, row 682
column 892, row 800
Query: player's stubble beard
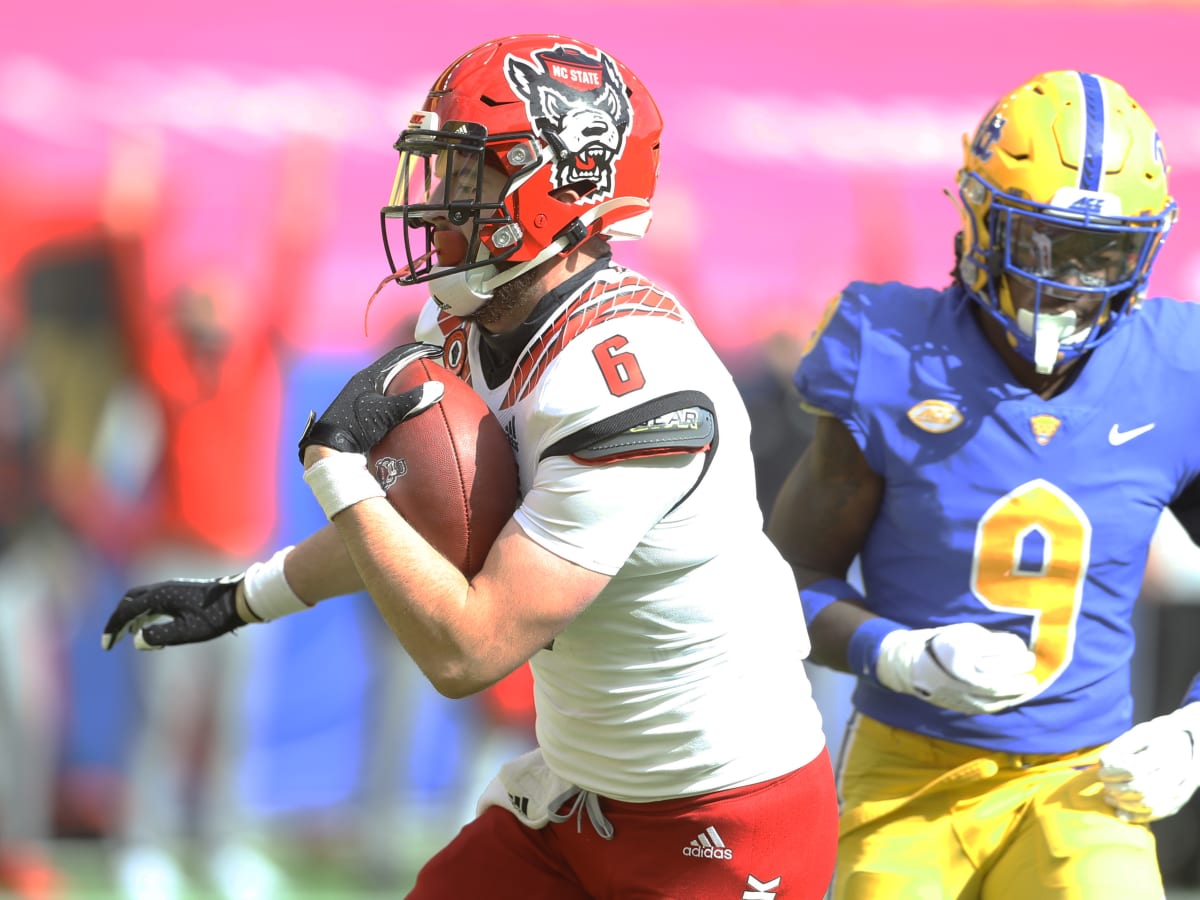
column 514, row 301
column 507, row 299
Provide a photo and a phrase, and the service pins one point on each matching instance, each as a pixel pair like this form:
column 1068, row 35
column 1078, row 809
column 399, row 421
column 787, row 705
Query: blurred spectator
column 210, row 353
column 212, row 382
column 30, row 555
column 67, row 388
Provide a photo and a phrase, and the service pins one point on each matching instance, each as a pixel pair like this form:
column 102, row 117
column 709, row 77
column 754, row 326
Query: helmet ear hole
column 573, row 192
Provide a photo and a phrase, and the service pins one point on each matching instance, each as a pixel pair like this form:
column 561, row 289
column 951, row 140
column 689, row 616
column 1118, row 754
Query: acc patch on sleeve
column 683, row 422
column 688, row 430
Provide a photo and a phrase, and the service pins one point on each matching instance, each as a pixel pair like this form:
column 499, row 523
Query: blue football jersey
column 1022, row 514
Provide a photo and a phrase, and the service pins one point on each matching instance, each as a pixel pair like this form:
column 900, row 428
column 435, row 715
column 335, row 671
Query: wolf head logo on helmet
column 578, row 104
column 526, row 146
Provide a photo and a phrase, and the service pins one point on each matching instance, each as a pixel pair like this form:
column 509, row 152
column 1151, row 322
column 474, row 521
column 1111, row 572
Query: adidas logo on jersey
column 708, row 845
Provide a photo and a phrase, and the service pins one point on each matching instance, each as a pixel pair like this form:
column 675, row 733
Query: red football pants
column 771, row 841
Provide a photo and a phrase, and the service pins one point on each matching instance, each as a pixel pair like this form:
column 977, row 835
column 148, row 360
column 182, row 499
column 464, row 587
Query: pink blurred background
column 806, row 144
column 242, row 150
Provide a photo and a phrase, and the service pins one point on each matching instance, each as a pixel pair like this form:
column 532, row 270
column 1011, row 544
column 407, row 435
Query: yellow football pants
column 924, row 819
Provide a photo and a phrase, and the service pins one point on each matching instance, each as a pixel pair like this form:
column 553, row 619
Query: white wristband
column 268, row 594
column 341, row 480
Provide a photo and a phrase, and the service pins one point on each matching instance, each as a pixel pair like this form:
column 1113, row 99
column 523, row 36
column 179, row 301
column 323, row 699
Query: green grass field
column 88, row 869
column 312, row 873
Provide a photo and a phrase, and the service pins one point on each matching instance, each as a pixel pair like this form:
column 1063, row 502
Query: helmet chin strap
column 1051, row 332
column 464, row 291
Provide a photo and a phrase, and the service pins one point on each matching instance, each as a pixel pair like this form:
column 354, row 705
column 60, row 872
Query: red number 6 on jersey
column 621, row 371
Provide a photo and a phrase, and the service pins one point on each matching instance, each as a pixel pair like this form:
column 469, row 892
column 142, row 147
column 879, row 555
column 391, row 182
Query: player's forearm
column 297, row 578
column 830, row 631
column 833, row 611
column 320, row 567
column 425, row 600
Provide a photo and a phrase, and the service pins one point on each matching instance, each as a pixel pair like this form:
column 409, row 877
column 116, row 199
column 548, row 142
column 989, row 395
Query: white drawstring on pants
column 583, row 800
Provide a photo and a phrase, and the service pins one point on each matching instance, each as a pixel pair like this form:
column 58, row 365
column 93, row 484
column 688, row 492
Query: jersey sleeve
column 634, row 384
column 622, row 428
column 827, row 376
column 595, row 516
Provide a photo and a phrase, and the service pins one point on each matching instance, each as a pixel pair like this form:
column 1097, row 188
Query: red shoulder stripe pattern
column 631, row 295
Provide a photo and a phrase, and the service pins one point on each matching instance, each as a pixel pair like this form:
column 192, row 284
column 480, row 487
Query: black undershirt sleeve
column 1186, row 508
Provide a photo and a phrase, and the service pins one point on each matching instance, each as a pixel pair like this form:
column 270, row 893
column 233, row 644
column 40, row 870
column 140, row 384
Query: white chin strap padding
column 1052, row 331
column 461, row 293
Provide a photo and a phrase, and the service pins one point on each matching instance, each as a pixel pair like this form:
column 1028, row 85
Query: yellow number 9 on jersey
column 1032, row 549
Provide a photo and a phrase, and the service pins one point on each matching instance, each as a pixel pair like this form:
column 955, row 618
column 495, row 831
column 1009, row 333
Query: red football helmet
column 527, row 145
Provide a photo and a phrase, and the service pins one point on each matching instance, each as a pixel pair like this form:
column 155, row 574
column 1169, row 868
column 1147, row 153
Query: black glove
column 361, row 414
column 199, row 609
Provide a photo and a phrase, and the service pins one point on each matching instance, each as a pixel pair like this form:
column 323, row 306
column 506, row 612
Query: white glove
column 963, row 667
column 1151, row 770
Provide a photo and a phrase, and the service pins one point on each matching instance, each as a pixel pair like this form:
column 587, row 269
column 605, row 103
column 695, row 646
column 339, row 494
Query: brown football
column 450, row 470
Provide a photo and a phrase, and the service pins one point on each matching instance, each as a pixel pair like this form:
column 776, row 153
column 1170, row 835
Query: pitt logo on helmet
column 986, row 136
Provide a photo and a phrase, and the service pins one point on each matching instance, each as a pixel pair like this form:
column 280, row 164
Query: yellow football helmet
column 1065, row 207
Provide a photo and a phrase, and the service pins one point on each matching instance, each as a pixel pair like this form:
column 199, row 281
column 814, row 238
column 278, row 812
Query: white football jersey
column 685, row 675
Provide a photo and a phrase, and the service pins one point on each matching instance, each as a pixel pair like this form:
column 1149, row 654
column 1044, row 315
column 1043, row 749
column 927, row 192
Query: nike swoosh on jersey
column 1117, row 437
